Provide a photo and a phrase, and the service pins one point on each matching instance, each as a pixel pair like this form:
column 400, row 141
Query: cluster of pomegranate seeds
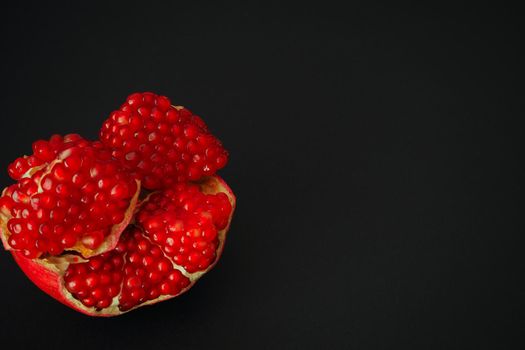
column 96, row 282
column 161, row 144
column 185, row 222
column 136, row 271
column 76, row 194
column 148, row 273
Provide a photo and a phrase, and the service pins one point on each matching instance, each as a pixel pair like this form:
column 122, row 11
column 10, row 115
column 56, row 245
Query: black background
column 373, row 154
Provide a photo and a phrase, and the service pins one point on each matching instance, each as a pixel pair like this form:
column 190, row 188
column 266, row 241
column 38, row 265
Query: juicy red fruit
column 162, row 144
column 79, row 226
column 70, row 191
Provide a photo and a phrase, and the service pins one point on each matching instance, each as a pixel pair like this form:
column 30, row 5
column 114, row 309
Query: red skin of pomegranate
column 47, row 274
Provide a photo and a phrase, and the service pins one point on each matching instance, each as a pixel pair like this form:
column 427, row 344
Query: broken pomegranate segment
column 160, row 143
column 70, row 195
column 185, row 222
column 81, row 225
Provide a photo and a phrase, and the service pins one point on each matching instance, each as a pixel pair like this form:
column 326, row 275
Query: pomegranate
column 82, row 224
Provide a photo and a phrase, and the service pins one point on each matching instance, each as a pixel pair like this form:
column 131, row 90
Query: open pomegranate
column 81, row 228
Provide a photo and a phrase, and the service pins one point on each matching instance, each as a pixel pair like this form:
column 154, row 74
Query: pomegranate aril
column 163, row 266
column 75, row 285
column 104, row 303
column 89, row 301
column 165, row 288
column 133, row 282
column 153, row 294
column 95, row 263
column 73, row 163
column 60, row 173
column 18, row 168
column 93, row 239
column 92, row 280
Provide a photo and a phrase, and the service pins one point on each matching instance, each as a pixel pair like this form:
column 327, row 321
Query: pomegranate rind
column 47, row 273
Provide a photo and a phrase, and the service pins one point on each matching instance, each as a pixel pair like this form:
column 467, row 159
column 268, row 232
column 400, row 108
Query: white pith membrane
column 110, row 241
column 59, row 264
